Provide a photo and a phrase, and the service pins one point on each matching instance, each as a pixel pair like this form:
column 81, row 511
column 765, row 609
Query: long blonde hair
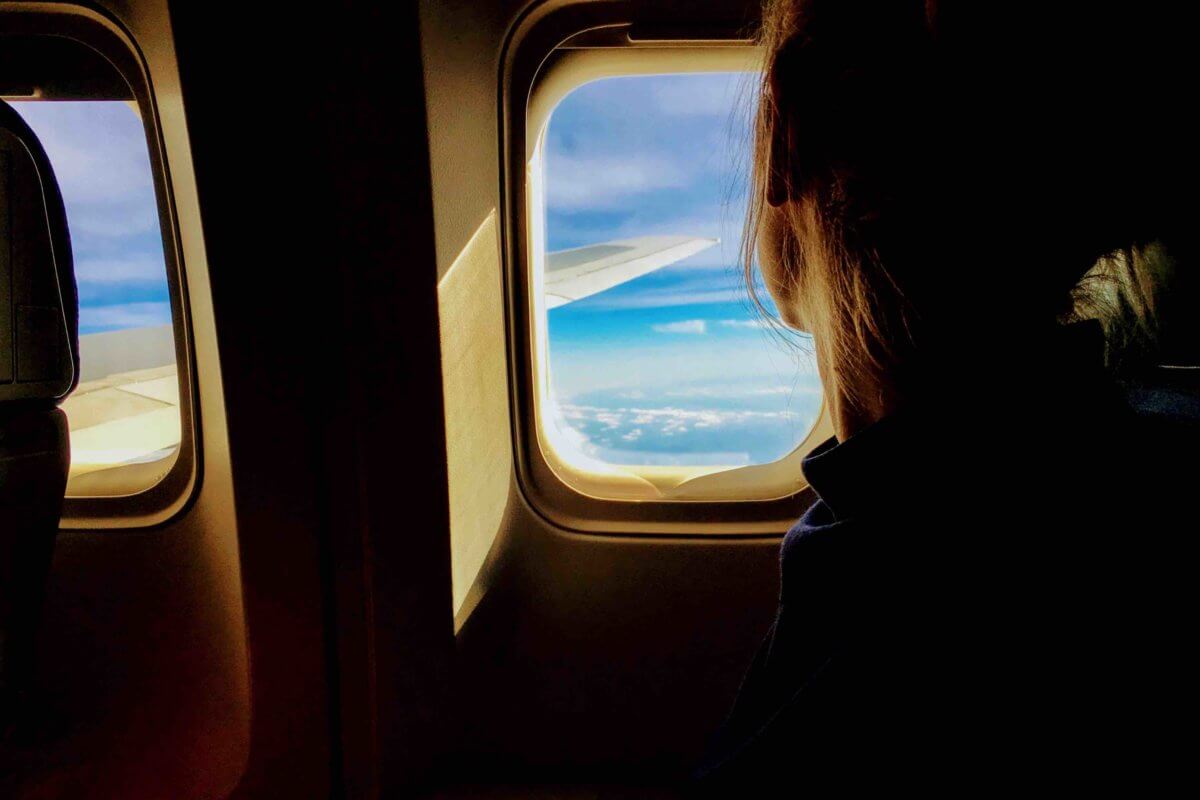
column 937, row 201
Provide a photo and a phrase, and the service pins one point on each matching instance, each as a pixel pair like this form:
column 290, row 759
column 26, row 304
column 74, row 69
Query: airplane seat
column 39, row 366
column 1155, row 352
column 1163, row 382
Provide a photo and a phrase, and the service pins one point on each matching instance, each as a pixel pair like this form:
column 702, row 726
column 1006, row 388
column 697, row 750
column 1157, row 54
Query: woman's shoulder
column 817, row 524
column 823, row 556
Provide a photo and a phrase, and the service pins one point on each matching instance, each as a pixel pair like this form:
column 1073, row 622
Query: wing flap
column 581, row 272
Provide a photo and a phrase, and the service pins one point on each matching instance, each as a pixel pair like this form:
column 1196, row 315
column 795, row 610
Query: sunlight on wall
column 478, row 439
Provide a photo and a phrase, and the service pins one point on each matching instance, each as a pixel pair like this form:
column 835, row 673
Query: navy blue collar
column 939, row 440
column 871, row 467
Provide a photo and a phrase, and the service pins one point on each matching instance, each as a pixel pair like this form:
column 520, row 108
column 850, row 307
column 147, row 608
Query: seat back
column 39, row 366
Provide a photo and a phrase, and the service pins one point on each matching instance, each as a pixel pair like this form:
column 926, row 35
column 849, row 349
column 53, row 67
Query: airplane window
column 656, row 355
column 124, row 416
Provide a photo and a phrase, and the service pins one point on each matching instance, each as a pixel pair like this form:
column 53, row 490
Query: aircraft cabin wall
column 144, row 662
column 580, row 656
column 353, row 599
column 284, row 632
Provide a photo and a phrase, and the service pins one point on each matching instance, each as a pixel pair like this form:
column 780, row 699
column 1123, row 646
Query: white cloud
column 139, row 267
column 753, row 324
column 654, row 363
column 690, row 326
column 735, row 391
column 708, row 98
column 670, row 419
column 98, row 150
column 95, row 175
column 127, row 315
column 692, row 431
column 666, row 298
column 638, row 426
column 114, row 220
column 566, row 436
column 609, row 419
column 578, row 183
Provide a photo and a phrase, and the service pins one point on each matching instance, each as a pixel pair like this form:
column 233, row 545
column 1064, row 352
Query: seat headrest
column 39, row 306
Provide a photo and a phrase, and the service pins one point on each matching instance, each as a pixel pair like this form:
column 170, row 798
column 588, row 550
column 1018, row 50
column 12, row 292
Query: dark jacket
column 987, row 597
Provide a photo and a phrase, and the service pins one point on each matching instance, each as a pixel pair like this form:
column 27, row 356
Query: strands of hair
column 929, row 200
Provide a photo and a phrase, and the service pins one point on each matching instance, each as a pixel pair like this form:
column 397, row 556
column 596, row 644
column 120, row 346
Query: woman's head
column 930, row 182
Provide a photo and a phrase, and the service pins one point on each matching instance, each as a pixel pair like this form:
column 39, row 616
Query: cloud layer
column 605, row 182
column 713, row 424
column 126, row 315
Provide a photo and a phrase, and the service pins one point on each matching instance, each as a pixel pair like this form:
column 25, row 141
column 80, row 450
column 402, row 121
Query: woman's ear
column 776, row 270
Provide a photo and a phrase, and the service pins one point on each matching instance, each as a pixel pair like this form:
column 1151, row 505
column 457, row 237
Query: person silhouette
column 989, row 590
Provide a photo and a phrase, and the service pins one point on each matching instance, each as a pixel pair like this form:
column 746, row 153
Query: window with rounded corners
column 654, row 396
column 79, row 83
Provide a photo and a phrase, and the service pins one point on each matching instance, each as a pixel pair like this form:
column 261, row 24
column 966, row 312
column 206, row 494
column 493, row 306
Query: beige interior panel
column 475, row 376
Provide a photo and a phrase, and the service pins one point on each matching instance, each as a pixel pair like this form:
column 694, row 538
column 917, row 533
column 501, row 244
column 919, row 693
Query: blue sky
column 98, row 151
column 675, row 367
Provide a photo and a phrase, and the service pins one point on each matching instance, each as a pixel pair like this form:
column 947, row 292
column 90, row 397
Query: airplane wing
column 584, row 271
column 123, row 419
column 124, row 425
